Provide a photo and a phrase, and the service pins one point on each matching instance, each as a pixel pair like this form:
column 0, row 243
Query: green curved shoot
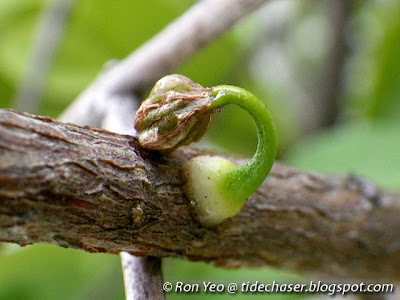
column 219, row 187
column 178, row 112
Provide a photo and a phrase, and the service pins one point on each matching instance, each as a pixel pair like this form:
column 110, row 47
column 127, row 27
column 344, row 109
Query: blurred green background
column 328, row 70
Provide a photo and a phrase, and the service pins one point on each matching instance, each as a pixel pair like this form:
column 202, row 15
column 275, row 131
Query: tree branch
column 98, row 191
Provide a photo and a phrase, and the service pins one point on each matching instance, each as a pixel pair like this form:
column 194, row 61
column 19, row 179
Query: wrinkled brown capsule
column 175, row 113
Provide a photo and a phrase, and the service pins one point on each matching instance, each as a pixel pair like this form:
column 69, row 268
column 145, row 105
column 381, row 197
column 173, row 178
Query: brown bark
column 98, row 191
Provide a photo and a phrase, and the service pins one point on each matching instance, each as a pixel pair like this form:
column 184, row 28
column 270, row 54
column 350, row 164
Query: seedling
column 177, row 112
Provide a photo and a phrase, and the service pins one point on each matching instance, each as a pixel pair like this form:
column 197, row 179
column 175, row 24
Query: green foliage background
column 366, row 141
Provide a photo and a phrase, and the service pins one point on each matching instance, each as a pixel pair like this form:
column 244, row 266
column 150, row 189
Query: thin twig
column 48, row 35
column 329, row 87
column 201, row 24
column 142, row 277
column 205, row 21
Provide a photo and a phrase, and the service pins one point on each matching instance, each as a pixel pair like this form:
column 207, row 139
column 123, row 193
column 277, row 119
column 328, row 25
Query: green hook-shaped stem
column 245, row 179
column 220, row 188
column 177, row 112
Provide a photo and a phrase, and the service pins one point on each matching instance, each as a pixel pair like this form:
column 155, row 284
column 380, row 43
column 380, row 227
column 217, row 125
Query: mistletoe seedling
column 178, row 112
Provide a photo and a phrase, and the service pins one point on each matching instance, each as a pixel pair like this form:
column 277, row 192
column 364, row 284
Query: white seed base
column 205, row 189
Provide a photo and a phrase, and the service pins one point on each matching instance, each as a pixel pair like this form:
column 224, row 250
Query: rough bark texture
column 98, row 191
